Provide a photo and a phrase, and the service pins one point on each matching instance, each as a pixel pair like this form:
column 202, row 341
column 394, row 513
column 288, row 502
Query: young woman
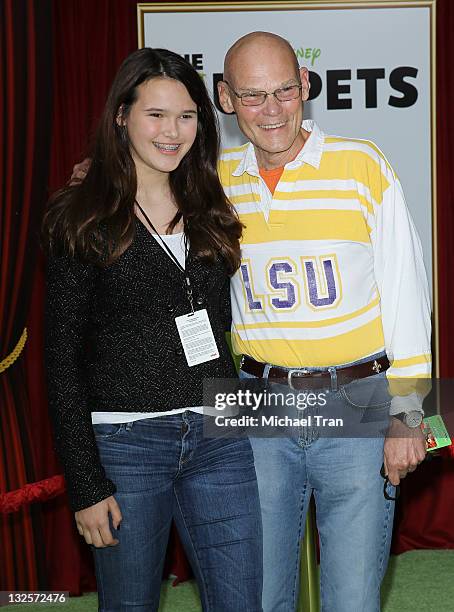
column 140, row 255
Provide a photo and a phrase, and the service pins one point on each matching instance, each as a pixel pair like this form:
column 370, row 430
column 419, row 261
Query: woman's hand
column 93, row 522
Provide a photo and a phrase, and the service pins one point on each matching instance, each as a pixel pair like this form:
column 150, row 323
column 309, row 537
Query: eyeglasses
column 256, row 98
column 385, row 486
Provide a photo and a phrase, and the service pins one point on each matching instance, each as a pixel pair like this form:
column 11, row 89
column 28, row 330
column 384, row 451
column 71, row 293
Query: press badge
column 197, row 337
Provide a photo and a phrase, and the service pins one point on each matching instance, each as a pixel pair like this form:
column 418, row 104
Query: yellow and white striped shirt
column 332, row 267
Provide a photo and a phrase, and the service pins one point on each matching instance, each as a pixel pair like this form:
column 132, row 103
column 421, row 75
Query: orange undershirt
column 272, row 177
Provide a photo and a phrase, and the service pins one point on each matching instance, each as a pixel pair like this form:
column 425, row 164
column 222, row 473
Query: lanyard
column 188, row 285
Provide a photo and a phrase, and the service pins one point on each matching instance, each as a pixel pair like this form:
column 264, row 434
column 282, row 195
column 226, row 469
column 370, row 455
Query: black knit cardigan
column 111, row 344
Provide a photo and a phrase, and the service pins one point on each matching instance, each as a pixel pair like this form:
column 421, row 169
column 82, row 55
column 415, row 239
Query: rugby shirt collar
column 310, row 154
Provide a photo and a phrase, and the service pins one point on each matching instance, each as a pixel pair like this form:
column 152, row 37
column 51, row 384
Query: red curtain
column 445, row 175
column 90, row 40
column 79, row 56
column 25, row 110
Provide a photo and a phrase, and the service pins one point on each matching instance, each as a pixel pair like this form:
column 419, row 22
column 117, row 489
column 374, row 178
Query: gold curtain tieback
column 11, row 358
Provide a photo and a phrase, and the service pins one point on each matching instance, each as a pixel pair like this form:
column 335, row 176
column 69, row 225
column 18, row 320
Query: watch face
column 413, row 419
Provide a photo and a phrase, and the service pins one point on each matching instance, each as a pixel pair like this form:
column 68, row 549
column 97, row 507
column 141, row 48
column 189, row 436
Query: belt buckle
column 300, row 373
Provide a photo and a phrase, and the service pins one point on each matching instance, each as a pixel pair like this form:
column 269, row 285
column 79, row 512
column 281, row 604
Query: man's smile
column 272, row 126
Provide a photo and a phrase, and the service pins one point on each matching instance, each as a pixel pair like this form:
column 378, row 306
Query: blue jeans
column 354, row 519
column 164, row 469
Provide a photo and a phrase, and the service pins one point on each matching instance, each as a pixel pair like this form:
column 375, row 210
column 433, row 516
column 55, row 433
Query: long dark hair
column 94, row 220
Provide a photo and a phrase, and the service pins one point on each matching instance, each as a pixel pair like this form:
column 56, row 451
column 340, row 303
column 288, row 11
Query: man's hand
column 93, row 522
column 80, row 171
column 405, row 448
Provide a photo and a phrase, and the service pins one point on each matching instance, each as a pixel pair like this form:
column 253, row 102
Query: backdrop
column 361, row 85
column 57, row 61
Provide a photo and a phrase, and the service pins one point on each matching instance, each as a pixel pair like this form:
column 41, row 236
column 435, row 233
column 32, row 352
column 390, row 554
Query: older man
column 331, row 296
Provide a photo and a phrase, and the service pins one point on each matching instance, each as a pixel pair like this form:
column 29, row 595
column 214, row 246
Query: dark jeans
column 164, row 468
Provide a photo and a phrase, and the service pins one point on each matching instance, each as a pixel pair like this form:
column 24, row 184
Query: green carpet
column 420, row 581
column 417, row 581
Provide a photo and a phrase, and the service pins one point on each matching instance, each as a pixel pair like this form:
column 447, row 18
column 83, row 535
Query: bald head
column 257, row 46
column 266, row 90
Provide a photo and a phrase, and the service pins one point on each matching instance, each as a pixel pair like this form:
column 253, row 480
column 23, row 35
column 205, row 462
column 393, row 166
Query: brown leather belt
column 301, row 378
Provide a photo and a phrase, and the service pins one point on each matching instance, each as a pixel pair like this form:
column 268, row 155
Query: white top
column 175, row 242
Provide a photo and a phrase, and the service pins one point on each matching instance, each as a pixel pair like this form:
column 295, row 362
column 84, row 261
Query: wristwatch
column 410, row 419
